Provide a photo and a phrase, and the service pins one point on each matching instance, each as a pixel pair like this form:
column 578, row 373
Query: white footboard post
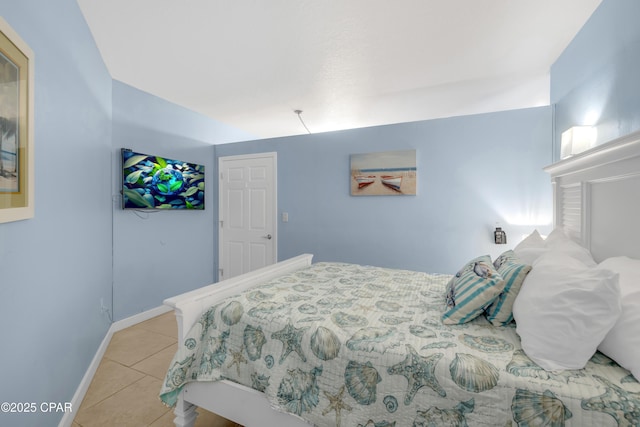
column 185, row 413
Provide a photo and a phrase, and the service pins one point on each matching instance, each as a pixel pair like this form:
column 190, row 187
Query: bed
column 333, row 344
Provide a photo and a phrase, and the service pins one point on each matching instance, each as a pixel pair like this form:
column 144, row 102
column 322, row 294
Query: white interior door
column 248, row 213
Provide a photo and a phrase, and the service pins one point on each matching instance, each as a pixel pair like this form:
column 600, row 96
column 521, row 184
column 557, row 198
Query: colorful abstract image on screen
column 154, row 182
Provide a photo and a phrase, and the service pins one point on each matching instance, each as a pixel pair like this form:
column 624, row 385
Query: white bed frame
column 596, row 200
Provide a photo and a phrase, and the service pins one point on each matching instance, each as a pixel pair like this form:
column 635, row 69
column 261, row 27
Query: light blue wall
column 595, row 80
column 55, row 268
column 473, row 171
column 161, row 254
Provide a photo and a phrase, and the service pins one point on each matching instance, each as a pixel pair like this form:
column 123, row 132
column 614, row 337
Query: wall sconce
column 577, row 139
column 499, row 236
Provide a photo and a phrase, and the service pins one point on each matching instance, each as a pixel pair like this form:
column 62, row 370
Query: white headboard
column 597, row 197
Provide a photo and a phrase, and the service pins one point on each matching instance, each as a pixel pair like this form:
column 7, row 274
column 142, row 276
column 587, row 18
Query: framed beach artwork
column 16, row 127
column 389, row 173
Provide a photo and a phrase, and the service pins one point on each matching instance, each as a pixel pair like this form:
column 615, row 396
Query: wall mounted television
column 154, row 182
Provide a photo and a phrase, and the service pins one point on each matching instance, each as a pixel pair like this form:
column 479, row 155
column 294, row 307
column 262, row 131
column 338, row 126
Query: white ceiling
column 345, row 63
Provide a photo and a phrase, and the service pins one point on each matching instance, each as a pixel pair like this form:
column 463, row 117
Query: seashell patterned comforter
column 348, row 345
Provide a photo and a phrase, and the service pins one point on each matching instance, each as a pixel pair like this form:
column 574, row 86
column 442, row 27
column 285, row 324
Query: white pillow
column 564, row 310
column 531, row 248
column 622, row 343
column 533, row 240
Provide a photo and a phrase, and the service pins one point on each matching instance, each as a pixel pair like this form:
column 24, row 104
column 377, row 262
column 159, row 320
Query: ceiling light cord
column 299, row 112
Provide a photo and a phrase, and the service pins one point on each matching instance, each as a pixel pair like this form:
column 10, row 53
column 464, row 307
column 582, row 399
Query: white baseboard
column 139, row 318
column 68, row 417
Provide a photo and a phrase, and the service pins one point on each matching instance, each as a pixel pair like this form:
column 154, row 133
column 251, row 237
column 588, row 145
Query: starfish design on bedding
column 336, row 403
column 236, row 359
column 621, row 404
column 291, row 340
column 419, row 372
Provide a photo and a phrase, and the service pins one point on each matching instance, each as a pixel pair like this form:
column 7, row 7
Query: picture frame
column 388, row 173
column 16, row 126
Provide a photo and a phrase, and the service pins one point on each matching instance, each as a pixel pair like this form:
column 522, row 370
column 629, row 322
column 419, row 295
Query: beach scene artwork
column 9, row 112
column 389, row 173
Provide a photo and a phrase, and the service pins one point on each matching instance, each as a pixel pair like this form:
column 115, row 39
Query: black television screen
column 154, row 182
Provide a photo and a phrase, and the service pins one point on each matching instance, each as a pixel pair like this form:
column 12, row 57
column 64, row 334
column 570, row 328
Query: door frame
column 274, row 159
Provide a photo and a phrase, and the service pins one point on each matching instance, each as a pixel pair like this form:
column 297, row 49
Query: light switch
column 285, row 217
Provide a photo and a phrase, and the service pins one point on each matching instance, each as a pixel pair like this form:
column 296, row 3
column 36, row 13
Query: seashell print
column 628, row 379
column 621, row 404
column 308, row 309
column 302, row 288
column 232, row 313
column 377, row 287
column 311, row 319
column 472, row 373
column 384, row 423
column 396, row 294
column 534, row 409
column 299, row 392
column 190, row 343
column 486, row 344
column 391, row 403
column 265, row 308
column 253, row 339
column 392, row 307
column 258, row 296
column 178, row 372
column 325, row 344
column 362, row 293
column 439, row 344
column 269, row 361
column 214, row 353
column 522, row 366
column 447, row 335
column 421, row 331
column 431, row 293
column 362, row 380
column 345, row 320
column 296, row 298
column 454, row 417
column 371, row 339
column 259, row 382
column 332, row 302
column 395, row 320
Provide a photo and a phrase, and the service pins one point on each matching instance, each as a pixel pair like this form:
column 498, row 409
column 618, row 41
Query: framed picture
column 389, row 173
column 16, row 127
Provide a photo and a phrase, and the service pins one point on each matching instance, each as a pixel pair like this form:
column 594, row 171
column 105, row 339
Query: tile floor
column 125, row 387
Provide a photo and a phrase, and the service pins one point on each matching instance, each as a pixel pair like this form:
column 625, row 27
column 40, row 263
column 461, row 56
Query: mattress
column 343, row 344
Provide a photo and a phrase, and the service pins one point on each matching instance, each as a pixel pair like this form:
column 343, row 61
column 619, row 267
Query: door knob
column 268, row 237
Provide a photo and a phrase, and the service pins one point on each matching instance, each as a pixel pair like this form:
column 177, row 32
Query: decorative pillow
column 513, row 271
column 471, row 290
column 622, row 343
column 564, row 310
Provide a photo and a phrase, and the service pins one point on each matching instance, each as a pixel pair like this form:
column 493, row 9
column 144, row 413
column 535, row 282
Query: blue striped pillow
column 472, row 290
column 513, row 270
